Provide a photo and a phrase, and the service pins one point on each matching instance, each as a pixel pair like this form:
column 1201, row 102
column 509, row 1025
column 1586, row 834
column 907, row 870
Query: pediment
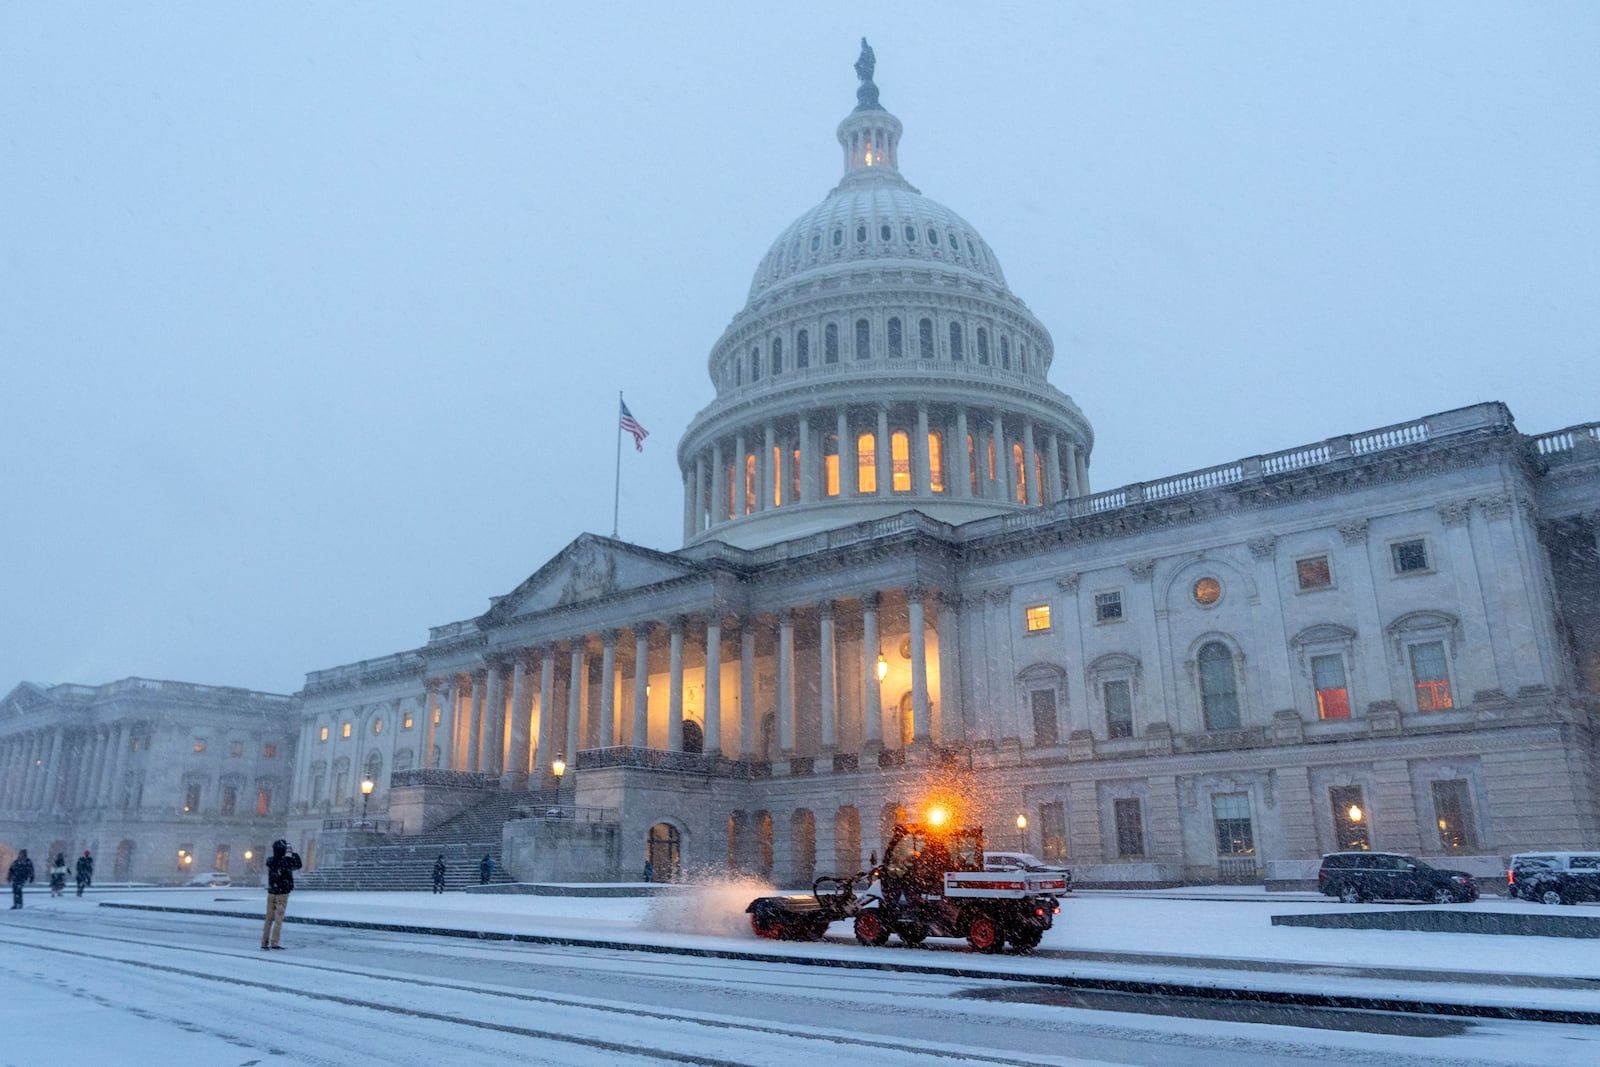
column 591, row 568
column 26, row 699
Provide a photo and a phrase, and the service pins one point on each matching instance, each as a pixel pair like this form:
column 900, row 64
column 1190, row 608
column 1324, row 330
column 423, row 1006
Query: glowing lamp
column 938, row 815
column 883, row 666
column 558, row 766
column 1022, row 822
column 1355, row 813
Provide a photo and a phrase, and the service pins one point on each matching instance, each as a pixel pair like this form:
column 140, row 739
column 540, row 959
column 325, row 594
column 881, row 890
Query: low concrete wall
column 1428, row 920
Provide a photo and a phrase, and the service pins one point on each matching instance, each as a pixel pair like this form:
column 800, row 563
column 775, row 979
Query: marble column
column 1030, row 465
column 675, row 687
column 825, row 678
column 719, row 487
column 963, row 459
column 885, row 464
column 477, row 710
column 808, row 462
column 920, row 731
column 608, row 688
column 639, row 737
column 741, row 498
column 770, row 490
column 574, row 737
column 949, row 721
column 713, row 703
column 112, row 797
column 847, row 455
column 747, row 687
column 430, row 693
column 921, row 464
column 544, row 749
column 998, row 489
column 871, row 687
column 1074, row 486
column 449, row 706
column 1083, row 473
column 516, row 771
column 1052, row 463
column 491, row 739
column 786, row 683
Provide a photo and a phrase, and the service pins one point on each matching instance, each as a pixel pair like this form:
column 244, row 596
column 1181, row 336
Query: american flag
column 631, row 424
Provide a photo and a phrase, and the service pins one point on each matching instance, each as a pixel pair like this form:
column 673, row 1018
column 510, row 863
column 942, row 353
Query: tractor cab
column 918, row 855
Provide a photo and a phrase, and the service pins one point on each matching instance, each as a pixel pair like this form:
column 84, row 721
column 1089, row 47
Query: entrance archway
column 661, row 849
column 122, row 866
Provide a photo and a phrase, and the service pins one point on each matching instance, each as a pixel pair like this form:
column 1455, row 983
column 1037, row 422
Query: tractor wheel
column 870, row 929
column 984, row 935
column 765, row 928
column 914, row 935
column 1026, row 939
column 815, row 931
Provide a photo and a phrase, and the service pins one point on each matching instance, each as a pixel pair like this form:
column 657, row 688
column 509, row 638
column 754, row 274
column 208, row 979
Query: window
column 885, row 233
column 911, row 234
column 377, row 726
column 191, row 798
column 1452, row 806
column 897, row 341
column 955, row 342
column 983, row 345
column 1349, row 819
column 230, row 799
column 1230, row 814
column 1219, row 697
column 777, row 474
column 269, row 751
column 925, row 339
column 406, row 721
column 1313, row 573
column 1108, row 607
column 1045, row 730
column 199, row 744
column 344, row 731
column 1019, row 473
column 972, row 465
column 1038, row 618
column 1130, row 827
column 816, row 242
column 1410, row 557
column 755, row 364
column 1327, row 677
column 830, row 343
column 863, row 339
column 1005, row 351
column 1052, row 827
column 866, row 464
column 264, row 801
column 802, row 350
column 222, row 858
column 777, row 356
column 830, row 464
column 933, row 236
column 235, row 749
column 1119, row 708
column 935, row 461
column 1430, row 677
column 1207, row 591
column 861, row 234
column 838, row 237
column 900, row 461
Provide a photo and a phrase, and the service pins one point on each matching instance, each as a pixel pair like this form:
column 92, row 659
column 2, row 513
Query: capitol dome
column 880, row 363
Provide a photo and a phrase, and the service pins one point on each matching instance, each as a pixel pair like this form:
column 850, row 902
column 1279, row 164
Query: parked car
column 1025, row 861
column 1358, row 876
column 1554, row 877
column 210, row 878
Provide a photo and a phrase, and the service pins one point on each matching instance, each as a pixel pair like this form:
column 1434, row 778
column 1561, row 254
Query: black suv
column 1358, row 876
column 1555, row 877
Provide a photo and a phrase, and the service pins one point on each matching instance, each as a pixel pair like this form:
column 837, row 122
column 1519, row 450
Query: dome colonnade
column 880, row 363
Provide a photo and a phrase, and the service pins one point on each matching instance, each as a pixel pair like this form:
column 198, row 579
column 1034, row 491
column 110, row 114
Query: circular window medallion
column 1207, row 591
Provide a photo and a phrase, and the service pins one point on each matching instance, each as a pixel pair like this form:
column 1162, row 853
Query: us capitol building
column 897, row 584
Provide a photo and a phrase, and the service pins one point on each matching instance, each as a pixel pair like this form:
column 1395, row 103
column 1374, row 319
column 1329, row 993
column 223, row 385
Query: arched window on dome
column 736, row 371
column 861, row 234
column 994, row 469
column 866, row 464
column 1219, row 687
column 933, row 236
column 972, row 465
column 777, row 356
column 1019, row 474
column 957, row 352
column 838, row 236
column 777, row 475
column 794, row 475
column 1038, row 477
column 830, row 464
column 1022, row 355
column 816, row 242
column 1005, row 351
column 802, row 350
column 897, row 342
column 727, row 496
column 955, row 245
column 911, row 234
column 900, row 461
column 983, row 346
column 830, row 343
column 750, row 483
column 755, row 364
column 863, row 339
column 925, row 339
column 935, row 461
column 886, row 233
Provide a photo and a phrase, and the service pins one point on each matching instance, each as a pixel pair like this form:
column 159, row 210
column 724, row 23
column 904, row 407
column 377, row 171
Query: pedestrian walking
column 649, row 871
column 85, row 871
column 58, row 875
column 19, row 873
column 485, row 869
column 438, row 874
column 280, row 883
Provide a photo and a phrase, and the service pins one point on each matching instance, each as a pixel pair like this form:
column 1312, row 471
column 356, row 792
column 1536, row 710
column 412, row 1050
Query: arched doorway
column 694, row 736
column 847, row 840
column 764, row 844
column 802, row 847
column 661, row 849
column 122, row 866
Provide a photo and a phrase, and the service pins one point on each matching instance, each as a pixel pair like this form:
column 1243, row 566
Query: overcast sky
column 313, row 317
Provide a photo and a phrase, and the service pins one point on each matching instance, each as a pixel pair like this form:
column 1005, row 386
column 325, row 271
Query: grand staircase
column 406, row 861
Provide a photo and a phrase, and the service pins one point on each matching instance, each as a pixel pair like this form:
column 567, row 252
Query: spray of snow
column 713, row 906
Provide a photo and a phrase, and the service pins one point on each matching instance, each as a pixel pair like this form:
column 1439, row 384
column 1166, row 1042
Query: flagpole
column 616, row 500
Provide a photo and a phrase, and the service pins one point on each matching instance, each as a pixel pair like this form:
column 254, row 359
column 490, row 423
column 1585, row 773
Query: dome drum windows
column 755, row 364
column 861, row 234
column 777, row 356
column 863, row 339
column 802, row 350
column 911, row 234
column 830, row 343
column 886, row 233
column 983, row 346
column 896, row 339
column 957, row 352
column 925, row 340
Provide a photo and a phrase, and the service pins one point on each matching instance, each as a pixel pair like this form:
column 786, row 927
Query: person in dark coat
column 58, row 875
column 485, row 869
column 85, row 871
column 438, row 874
column 649, row 871
column 280, row 883
column 20, row 873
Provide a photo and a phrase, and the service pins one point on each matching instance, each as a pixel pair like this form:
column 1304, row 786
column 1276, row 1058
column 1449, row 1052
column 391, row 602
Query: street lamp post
column 367, row 785
column 1022, row 833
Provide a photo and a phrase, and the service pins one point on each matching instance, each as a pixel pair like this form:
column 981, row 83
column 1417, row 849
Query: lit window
column 794, row 474
column 1052, row 814
column 750, row 500
column 956, row 351
column 406, row 721
column 866, row 464
column 972, row 465
column 1230, row 814
column 230, row 798
column 1410, row 557
column 900, row 460
column 191, row 799
column 1219, row 694
column 199, row 744
column 377, row 726
column 322, row 734
column 269, row 751
column 935, row 461
column 235, row 749
column 1207, row 591
column 830, row 464
column 1313, row 573
column 264, row 802
column 1333, row 698
column 1107, row 607
column 777, row 472
column 344, row 731
column 1119, row 708
column 1019, row 474
column 1431, row 679
column 1452, row 807
column 1349, row 818
column 1038, row 618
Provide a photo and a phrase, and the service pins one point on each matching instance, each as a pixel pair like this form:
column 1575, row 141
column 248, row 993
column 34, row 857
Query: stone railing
column 661, row 760
column 433, row 776
column 372, row 826
column 367, row 670
column 1580, row 438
